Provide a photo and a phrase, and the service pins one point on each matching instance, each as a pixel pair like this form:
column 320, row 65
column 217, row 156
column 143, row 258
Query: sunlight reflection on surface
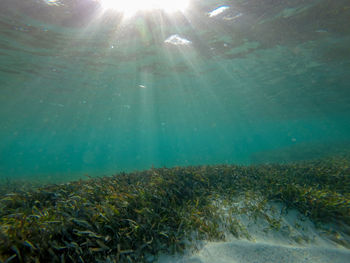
column 53, row 2
column 132, row 7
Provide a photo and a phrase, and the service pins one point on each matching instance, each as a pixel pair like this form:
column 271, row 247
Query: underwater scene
column 187, row 131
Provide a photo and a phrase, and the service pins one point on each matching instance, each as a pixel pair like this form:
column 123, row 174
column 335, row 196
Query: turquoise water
column 90, row 91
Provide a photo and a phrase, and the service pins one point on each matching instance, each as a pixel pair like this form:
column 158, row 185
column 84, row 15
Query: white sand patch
column 249, row 252
column 275, row 235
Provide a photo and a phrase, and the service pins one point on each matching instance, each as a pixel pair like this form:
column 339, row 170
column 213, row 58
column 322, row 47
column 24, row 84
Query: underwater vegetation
column 132, row 217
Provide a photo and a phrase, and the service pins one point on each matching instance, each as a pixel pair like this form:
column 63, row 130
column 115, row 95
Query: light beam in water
column 130, row 7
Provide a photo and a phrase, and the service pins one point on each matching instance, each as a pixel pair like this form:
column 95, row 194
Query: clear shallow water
column 86, row 91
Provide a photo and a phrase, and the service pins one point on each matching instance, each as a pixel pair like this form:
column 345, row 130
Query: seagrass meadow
column 133, row 217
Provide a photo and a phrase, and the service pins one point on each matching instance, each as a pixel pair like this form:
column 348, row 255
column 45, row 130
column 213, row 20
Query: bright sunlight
column 130, row 7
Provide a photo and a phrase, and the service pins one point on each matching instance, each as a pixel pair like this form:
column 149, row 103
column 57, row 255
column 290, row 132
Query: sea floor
column 298, row 240
column 297, row 212
column 248, row 252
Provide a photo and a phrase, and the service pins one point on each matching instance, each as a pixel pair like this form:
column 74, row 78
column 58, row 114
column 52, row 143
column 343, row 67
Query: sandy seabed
column 249, row 252
column 272, row 247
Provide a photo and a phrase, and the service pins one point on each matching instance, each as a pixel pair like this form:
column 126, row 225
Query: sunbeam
column 129, row 8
